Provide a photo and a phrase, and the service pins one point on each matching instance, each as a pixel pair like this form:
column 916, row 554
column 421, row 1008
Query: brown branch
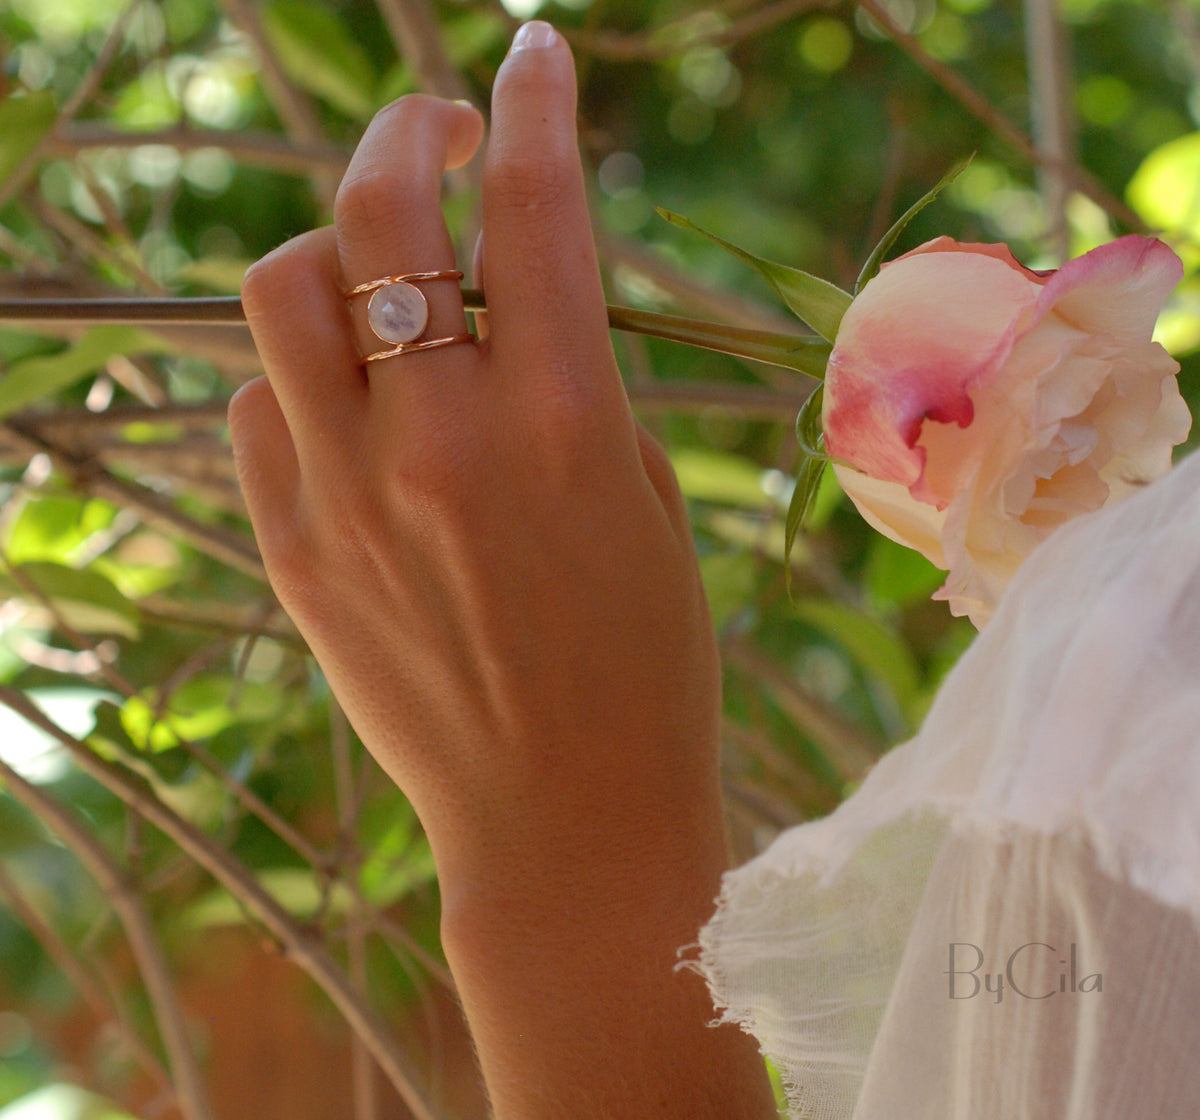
column 81, row 95
column 71, row 967
column 674, row 38
column 418, row 40
column 851, row 751
column 121, row 891
column 295, row 111
column 978, row 106
column 302, row 945
column 362, row 1069
column 222, row 544
column 260, row 149
column 1048, row 53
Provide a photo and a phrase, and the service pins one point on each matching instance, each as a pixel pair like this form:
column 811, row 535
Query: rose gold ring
column 398, row 313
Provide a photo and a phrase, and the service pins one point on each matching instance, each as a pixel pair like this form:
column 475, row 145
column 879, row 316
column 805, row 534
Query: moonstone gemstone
column 398, row 313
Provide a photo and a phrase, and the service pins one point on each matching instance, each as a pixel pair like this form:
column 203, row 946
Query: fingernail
column 536, row 33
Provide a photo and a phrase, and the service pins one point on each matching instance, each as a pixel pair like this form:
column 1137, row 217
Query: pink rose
column 972, row 405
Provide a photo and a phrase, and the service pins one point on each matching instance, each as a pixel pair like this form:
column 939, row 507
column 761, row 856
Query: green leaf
column 320, row 55
column 33, row 378
column 296, row 889
column 896, row 576
column 728, row 584
column 816, row 302
column 396, row 854
column 872, row 645
column 875, row 260
column 53, row 527
column 1163, row 192
column 808, row 481
column 204, row 705
column 86, row 600
column 23, row 122
column 718, row 476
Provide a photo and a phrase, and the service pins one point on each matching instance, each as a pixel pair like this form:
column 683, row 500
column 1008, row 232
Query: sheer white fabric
column 1003, row 923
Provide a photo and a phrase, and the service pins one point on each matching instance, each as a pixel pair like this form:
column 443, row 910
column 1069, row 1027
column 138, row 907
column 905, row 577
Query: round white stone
column 398, row 313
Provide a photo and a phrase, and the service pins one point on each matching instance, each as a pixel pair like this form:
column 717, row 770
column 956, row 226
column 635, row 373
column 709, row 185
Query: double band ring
column 398, row 313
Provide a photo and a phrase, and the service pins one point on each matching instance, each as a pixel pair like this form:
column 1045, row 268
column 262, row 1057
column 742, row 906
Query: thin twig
column 261, row 149
column 1049, row 65
column 222, row 544
column 122, row 893
column 683, row 34
column 295, row 111
column 978, row 106
column 303, row 945
column 362, row 1068
column 80, row 97
column 419, row 41
column 72, row 968
column 850, row 750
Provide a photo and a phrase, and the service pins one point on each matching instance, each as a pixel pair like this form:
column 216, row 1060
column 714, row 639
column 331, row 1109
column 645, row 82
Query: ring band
column 398, row 312
column 428, row 344
column 404, row 278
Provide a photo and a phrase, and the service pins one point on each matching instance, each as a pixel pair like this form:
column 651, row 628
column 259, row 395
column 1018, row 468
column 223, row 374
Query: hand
column 492, row 563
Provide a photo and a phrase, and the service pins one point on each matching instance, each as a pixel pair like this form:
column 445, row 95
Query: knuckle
column 531, row 182
column 370, row 204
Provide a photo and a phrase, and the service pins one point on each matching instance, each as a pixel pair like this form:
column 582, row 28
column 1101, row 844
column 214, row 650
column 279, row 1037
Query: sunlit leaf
column 83, row 598
column 52, row 527
column 718, row 476
column 320, row 54
column 396, row 854
column 34, row 378
column 816, row 302
column 296, row 889
column 217, row 274
column 24, row 121
column 200, row 708
column 1165, row 191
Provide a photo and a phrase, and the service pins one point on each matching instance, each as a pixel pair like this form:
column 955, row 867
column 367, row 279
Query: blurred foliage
column 161, row 146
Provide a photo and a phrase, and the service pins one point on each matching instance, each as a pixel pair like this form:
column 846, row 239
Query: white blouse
column 1003, row 923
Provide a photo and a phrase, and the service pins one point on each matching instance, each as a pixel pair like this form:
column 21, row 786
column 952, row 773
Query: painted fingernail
column 536, row 33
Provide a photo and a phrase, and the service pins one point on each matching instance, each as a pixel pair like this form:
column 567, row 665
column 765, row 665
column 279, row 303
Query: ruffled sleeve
column 1004, row 921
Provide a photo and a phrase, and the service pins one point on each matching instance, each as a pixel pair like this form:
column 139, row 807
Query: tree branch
column 302, row 945
column 122, row 892
column 978, row 106
column 93, row 994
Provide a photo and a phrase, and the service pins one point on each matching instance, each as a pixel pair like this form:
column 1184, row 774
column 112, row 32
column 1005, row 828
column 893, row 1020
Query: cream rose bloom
column 973, row 405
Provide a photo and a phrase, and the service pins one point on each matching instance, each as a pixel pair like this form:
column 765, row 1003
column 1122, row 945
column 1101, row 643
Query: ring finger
column 389, row 223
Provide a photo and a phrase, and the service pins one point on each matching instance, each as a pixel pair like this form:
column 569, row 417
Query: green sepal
column 875, row 260
column 812, row 446
column 814, row 301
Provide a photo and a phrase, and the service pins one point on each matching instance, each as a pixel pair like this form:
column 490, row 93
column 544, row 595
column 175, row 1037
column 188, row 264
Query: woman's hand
column 492, row 563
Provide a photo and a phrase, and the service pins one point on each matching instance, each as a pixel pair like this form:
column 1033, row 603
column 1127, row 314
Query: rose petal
column 890, row 509
column 931, row 327
column 1116, row 291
